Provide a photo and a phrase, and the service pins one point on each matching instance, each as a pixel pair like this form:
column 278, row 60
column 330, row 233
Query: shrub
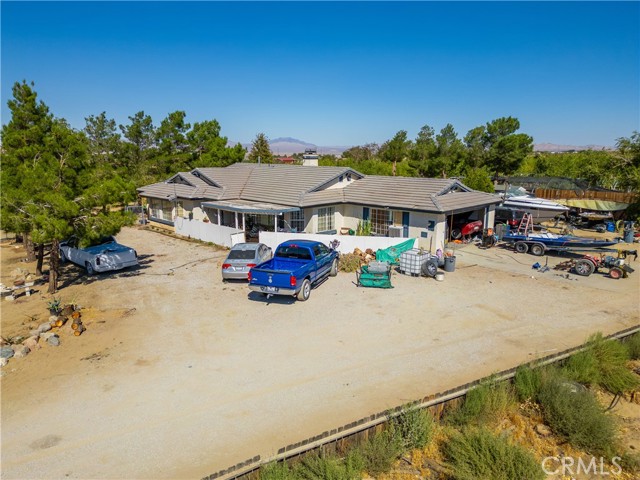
column 349, row 262
column 414, row 427
column 329, row 467
column 583, row 367
column 602, row 363
column 630, row 462
column 476, row 454
column 277, row 471
column 574, row 413
column 487, row 402
column 633, row 346
column 527, row 383
column 381, row 451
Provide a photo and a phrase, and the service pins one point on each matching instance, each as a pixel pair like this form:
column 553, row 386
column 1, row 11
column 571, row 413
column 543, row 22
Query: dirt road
column 180, row 375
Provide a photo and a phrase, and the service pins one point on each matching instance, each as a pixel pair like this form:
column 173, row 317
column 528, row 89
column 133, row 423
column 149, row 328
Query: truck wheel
column 615, row 273
column 537, row 249
column 334, row 268
column 305, row 291
column 584, row 268
column 89, row 268
column 521, row 247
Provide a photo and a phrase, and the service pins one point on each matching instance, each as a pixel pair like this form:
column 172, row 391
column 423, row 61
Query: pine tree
column 50, row 188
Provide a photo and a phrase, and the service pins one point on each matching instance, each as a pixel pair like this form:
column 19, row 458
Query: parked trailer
column 540, row 243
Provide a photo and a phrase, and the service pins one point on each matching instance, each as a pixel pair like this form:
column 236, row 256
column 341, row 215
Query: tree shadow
column 72, row 274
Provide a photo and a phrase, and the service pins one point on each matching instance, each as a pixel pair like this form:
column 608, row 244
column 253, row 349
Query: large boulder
column 32, row 342
column 54, row 340
column 45, row 327
column 21, row 351
column 6, row 351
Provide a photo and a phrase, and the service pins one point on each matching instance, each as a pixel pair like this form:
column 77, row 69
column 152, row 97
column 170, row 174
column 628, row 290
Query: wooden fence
column 557, row 194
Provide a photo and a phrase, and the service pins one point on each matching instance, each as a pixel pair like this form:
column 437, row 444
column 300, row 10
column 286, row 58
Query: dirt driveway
column 180, row 375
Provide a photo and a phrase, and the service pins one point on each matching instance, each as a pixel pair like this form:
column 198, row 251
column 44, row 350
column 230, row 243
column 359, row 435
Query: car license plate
column 270, row 289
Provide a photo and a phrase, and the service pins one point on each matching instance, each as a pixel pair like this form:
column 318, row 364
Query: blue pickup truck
column 294, row 268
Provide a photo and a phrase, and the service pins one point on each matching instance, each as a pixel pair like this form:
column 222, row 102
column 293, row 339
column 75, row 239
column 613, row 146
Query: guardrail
column 360, row 429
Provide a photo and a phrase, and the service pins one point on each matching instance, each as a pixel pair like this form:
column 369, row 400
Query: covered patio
column 249, row 216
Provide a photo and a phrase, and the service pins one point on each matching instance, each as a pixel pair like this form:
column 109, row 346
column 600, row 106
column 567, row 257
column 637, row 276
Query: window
column 161, row 210
column 179, row 210
column 325, row 219
column 380, row 221
column 297, row 221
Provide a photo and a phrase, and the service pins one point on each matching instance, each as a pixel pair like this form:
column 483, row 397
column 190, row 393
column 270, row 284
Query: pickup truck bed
column 295, row 267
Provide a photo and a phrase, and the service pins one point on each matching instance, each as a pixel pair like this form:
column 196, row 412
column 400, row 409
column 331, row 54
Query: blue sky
column 335, row 73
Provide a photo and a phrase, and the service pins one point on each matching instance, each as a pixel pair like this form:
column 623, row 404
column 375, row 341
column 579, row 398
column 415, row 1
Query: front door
column 405, row 224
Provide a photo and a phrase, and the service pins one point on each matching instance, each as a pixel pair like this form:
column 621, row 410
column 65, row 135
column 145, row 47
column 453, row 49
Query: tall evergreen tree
column 260, row 149
column 52, row 190
column 396, row 149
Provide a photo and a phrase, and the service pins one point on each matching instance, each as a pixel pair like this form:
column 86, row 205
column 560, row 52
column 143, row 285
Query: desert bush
column 488, row 402
column 574, row 413
column 630, row 462
column 527, row 383
column 349, row 262
column 632, row 345
column 414, row 427
column 381, row 451
column 478, row 453
column 277, row 471
column 330, row 467
column 602, row 363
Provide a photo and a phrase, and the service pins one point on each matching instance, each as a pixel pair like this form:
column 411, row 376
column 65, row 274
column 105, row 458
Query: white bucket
column 439, row 276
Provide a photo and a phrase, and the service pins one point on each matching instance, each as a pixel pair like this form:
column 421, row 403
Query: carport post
column 219, row 219
column 244, row 225
column 236, row 215
column 275, row 222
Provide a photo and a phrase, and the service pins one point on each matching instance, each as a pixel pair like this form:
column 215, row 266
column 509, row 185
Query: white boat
column 540, row 209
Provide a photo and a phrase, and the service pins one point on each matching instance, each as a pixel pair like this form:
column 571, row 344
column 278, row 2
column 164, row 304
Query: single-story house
column 214, row 204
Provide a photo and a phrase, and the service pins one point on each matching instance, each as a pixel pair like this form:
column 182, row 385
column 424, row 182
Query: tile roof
column 303, row 186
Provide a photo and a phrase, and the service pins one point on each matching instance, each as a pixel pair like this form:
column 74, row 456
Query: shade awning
column 246, row 206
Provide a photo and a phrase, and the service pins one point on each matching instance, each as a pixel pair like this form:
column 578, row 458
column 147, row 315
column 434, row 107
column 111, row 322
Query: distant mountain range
column 552, row 147
column 290, row 145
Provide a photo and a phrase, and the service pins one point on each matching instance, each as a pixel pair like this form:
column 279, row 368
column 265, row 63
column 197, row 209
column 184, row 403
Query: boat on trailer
column 539, row 243
column 540, row 209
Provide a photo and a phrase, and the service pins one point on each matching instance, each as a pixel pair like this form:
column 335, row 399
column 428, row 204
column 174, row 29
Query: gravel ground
column 179, row 375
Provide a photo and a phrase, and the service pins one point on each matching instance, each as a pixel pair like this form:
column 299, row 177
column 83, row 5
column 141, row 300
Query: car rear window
column 293, row 251
column 242, row 254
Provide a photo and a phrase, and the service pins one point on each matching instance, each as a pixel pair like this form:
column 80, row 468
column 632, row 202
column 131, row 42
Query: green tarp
column 392, row 254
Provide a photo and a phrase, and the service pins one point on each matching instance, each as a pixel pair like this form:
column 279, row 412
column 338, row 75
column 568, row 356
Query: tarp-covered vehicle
column 105, row 255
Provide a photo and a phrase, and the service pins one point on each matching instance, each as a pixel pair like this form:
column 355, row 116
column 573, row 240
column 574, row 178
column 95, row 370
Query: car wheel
column 456, row 234
column 334, row 268
column 305, row 291
column 89, row 268
column 537, row 249
column 521, row 247
column 430, row 268
column 584, row 268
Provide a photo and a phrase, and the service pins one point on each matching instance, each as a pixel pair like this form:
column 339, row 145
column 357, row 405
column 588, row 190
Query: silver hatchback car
column 243, row 257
